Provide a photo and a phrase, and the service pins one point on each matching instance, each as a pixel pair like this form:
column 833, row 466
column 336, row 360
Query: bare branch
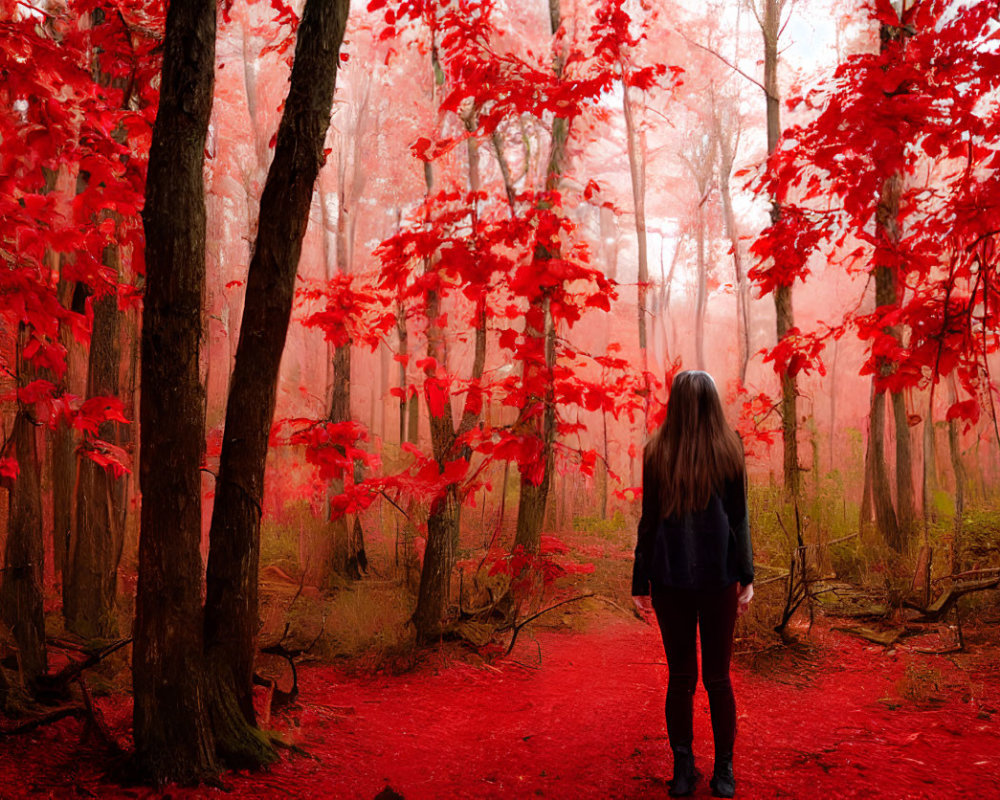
column 729, row 64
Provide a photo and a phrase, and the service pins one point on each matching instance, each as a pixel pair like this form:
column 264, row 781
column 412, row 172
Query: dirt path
column 579, row 715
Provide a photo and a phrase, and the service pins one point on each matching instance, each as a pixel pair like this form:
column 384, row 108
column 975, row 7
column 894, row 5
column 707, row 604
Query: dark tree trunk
column 888, row 223
column 347, row 548
column 770, row 25
column 444, row 519
column 21, row 587
column 172, row 736
column 880, row 488
column 929, row 476
column 91, row 578
column 955, row 451
column 439, row 557
column 231, row 613
column 442, row 522
column 63, row 439
column 533, row 496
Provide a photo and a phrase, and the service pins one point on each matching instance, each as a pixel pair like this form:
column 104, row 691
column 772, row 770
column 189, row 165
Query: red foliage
column 924, row 109
column 522, row 566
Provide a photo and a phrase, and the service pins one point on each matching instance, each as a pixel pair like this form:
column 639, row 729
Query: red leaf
column 8, row 468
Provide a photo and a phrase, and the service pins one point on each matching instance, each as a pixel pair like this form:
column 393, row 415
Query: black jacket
column 704, row 549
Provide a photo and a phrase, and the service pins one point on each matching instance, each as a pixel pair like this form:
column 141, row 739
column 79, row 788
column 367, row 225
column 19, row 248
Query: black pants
column 679, row 613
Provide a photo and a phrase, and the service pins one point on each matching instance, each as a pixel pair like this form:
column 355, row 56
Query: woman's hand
column 643, row 605
column 743, row 599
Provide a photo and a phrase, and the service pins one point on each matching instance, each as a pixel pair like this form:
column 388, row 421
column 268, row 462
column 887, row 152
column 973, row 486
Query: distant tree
column 780, row 279
column 231, row 606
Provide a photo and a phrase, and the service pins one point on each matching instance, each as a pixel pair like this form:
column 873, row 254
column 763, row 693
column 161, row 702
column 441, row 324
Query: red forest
column 332, row 334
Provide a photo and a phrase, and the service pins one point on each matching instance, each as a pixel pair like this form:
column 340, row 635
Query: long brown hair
column 695, row 451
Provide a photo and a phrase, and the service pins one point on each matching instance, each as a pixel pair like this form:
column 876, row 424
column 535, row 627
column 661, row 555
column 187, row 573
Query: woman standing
column 694, row 565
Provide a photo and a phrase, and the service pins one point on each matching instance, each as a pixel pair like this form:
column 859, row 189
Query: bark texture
column 534, row 495
column 770, row 23
column 97, row 536
column 21, row 587
column 172, row 736
column 637, row 171
column 231, row 610
column 887, row 295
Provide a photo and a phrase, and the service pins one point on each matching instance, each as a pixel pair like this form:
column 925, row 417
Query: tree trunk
column 63, row 438
column 21, row 587
column 702, row 296
column 929, row 482
column 444, row 519
column 881, row 491
column 347, row 552
column 533, row 496
column 954, row 449
column 887, row 290
column 726, row 158
column 785, row 320
column 172, row 736
column 637, row 171
column 231, row 608
column 91, row 578
column 439, row 555
column 347, row 556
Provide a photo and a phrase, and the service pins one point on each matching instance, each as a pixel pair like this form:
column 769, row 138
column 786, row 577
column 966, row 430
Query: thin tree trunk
column 702, row 296
column 347, row 554
column 881, row 490
column 771, row 29
column 726, row 158
column 21, row 586
column 534, row 495
column 439, row 555
column 637, row 171
column 231, row 608
column 172, row 736
column 899, row 534
column 403, row 337
column 444, row 519
column 98, row 534
column 958, row 468
column 930, row 476
column 887, row 219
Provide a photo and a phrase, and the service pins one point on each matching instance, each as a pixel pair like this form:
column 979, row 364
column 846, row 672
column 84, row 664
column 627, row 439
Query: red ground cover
column 579, row 715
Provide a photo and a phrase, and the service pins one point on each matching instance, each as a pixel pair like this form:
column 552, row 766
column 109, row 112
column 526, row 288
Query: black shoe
column 723, row 783
column 685, row 775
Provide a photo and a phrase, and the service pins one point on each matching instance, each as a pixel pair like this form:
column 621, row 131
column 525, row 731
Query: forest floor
column 578, row 713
